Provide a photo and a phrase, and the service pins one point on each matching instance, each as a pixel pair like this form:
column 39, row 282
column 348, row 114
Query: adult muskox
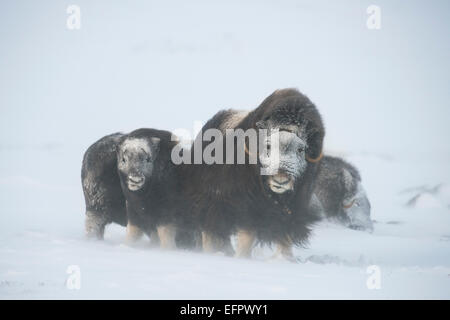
column 237, row 199
column 339, row 194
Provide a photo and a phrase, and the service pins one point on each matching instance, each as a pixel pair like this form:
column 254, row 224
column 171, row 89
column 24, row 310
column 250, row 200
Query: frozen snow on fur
column 384, row 100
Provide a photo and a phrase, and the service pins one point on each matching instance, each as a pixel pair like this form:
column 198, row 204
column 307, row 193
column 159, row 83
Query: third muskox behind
column 339, row 194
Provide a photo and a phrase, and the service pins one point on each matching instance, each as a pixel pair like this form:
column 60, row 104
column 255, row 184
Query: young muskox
column 131, row 180
column 339, row 195
column 149, row 183
column 236, row 199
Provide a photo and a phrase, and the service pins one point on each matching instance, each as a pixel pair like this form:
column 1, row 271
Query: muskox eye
column 148, row 159
column 123, row 160
column 300, row 150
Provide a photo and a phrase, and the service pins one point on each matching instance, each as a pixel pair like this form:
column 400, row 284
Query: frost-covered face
column 135, row 161
column 288, row 164
column 356, row 208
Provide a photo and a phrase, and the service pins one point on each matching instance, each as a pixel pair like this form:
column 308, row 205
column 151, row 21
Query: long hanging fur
column 157, row 203
column 105, row 202
column 224, row 198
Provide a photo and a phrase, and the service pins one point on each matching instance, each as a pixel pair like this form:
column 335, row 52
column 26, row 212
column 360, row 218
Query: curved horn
column 315, row 160
column 348, row 206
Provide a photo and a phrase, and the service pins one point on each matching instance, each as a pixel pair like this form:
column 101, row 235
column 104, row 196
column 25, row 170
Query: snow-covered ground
column 383, row 95
column 41, row 236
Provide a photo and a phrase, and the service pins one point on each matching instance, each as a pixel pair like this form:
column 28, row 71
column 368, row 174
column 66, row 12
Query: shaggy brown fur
column 227, row 198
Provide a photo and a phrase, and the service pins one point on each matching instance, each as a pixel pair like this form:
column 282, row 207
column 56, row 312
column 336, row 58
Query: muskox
column 339, row 194
column 229, row 199
column 105, row 202
column 130, row 179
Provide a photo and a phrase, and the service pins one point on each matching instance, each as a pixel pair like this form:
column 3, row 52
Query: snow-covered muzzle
column 357, row 209
column 284, row 158
column 135, row 161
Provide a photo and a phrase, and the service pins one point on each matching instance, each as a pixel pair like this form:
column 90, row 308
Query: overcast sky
column 165, row 65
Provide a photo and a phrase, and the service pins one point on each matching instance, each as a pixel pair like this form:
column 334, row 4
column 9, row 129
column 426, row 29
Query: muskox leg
column 284, row 250
column 213, row 244
column 208, row 242
column 134, row 233
column 245, row 242
column 95, row 224
column 166, row 234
